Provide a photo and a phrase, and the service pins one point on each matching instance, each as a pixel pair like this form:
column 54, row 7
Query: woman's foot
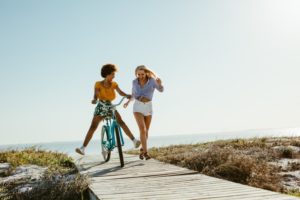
column 147, row 157
column 141, row 156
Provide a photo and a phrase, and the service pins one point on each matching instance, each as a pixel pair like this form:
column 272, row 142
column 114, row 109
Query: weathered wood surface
column 152, row 179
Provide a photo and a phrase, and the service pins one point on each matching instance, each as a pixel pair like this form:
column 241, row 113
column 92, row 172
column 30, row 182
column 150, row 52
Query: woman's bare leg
column 147, row 120
column 95, row 122
column 142, row 127
column 124, row 126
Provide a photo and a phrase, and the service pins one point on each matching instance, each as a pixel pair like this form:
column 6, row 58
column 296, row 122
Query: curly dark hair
column 107, row 69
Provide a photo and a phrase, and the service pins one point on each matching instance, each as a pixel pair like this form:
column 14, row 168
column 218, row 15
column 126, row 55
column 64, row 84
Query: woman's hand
column 158, row 80
column 159, row 86
column 94, row 101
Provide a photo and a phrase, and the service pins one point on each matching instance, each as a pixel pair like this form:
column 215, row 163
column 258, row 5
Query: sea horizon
column 156, row 141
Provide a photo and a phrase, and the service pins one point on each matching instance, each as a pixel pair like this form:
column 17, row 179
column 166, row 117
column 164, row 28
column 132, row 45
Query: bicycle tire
column 105, row 144
column 119, row 145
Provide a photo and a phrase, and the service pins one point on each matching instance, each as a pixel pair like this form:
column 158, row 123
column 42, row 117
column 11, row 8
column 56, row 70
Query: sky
column 226, row 65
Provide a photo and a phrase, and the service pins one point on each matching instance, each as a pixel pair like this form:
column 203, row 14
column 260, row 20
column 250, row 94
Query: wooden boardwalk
column 152, row 179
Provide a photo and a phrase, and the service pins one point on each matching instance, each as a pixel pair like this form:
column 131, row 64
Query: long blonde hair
column 149, row 72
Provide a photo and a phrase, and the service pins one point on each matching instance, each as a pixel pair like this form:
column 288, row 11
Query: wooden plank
column 156, row 180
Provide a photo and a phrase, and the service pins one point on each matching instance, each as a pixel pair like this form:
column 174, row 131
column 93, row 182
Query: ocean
column 94, row 146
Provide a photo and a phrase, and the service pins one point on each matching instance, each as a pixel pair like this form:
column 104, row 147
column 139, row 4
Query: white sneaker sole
column 79, row 151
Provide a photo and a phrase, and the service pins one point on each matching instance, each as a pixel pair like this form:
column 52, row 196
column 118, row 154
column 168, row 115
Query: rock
column 30, row 180
column 24, row 188
column 5, row 169
column 24, row 179
column 25, row 173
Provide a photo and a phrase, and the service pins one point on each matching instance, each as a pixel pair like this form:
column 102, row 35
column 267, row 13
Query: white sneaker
column 80, row 150
column 136, row 143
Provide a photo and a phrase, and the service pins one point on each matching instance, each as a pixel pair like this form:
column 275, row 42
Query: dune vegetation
column 38, row 174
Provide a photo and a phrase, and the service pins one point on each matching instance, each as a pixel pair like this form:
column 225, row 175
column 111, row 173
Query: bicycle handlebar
column 113, row 105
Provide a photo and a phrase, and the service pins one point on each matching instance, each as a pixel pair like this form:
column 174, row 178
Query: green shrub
column 287, row 152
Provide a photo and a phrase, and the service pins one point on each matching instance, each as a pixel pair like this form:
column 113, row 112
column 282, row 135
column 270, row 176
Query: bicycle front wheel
column 105, row 144
column 119, row 145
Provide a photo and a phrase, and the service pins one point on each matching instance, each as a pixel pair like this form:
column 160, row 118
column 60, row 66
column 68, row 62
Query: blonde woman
column 142, row 92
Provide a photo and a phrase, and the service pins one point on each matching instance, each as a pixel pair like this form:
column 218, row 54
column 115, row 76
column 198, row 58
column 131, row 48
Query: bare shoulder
column 98, row 84
column 115, row 84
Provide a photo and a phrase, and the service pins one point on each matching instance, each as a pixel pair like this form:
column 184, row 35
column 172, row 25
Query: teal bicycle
column 111, row 134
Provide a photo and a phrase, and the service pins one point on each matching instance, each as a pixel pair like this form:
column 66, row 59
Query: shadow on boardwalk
column 156, row 180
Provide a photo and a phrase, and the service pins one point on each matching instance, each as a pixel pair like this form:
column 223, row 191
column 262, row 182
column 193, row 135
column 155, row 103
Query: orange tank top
column 104, row 93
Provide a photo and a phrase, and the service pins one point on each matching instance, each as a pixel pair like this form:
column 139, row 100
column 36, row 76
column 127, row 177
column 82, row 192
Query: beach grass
column 36, row 156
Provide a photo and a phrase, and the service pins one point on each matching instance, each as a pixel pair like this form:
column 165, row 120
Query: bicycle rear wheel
column 119, row 144
column 105, row 144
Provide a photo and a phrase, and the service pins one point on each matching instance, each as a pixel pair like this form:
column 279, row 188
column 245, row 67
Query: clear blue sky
column 226, row 65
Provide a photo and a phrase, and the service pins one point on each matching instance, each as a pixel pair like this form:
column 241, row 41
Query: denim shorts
column 103, row 111
column 143, row 108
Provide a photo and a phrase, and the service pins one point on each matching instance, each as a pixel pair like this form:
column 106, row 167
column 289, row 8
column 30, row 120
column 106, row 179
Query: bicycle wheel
column 119, row 144
column 105, row 144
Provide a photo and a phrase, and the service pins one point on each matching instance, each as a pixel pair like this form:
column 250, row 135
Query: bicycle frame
column 110, row 126
column 112, row 131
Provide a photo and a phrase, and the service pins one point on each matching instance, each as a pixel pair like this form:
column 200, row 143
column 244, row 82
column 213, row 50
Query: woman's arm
column 128, row 96
column 131, row 99
column 94, row 101
column 158, row 85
